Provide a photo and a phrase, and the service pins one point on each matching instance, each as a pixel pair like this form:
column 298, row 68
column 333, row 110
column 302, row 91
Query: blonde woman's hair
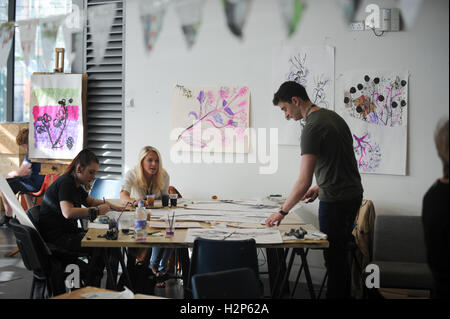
column 158, row 180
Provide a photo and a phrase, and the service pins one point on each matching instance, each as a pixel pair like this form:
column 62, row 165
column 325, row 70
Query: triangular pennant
column 49, row 31
column 152, row 17
column 101, row 18
column 349, row 9
column 73, row 24
column 190, row 15
column 409, row 10
column 67, row 33
column 27, row 30
column 6, row 36
column 291, row 11
column 236, row 12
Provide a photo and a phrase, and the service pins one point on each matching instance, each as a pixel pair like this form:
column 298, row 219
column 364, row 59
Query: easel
column 55, row 167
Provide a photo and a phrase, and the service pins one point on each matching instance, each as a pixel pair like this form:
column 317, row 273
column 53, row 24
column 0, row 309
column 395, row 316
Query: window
column 3, row 71
column 28, row 9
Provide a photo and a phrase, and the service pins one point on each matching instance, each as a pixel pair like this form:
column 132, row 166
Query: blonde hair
column 158, row 180
column 441, row 141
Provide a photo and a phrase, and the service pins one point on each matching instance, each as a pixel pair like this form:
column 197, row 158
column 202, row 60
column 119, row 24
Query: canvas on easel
column 56, row 115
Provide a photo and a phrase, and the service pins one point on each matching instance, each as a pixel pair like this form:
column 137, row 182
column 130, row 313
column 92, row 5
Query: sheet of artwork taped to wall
column 56, row 116
column 211, row 119
column 375, row 105
column 310, row 66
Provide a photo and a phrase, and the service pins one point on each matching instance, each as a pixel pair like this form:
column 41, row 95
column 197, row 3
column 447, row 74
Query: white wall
column 218, row 58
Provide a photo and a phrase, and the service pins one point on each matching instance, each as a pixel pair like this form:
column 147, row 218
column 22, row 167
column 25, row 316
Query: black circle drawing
column 360, row 86
column 394, row 105
column 353, row 90
column 367, row 78
column 376, row 80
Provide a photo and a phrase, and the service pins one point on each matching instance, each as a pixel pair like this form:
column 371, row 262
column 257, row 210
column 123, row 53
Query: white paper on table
column 257, row 217
column 126, row 294
column 261, row 236
column 97, row 226
column 155, row 224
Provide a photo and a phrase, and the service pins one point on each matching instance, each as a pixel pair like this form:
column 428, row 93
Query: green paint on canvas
column 52, row 96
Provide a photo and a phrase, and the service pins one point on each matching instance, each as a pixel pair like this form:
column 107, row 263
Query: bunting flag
column 349, row 9
column 6, row 36
column 409, row 10
column 236, row 12
column 190, row 15
column 101, row 18
column 27, row 29
column 49, row 30
column 67, row 33
column 153, row 12
column 291, row 11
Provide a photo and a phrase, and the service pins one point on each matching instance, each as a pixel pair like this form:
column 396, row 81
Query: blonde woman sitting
column 148, row 177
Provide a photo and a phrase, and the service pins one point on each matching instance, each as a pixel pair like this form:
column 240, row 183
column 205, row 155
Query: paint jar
column 173, row 200
column 150, row 200
column 165, row 200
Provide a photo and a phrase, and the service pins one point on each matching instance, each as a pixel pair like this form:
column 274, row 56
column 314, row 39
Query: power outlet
column 358, row 26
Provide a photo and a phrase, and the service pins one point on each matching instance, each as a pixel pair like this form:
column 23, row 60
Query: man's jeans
column 336, row 219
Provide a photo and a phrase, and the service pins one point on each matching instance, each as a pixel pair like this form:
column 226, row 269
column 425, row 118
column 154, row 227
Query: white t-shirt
column 130, row 185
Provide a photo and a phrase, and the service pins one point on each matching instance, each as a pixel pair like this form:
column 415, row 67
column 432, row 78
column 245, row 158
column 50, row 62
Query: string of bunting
column 100, row 19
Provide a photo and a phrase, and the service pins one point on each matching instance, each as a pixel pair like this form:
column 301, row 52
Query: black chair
column 210, row 255
column 240, row 283
column 36, row 256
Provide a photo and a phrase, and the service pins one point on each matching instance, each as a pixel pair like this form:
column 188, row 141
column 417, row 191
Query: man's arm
column 299, row 190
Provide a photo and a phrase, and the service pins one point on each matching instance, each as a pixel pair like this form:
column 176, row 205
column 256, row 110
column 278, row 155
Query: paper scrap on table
column 261, row 236
column 177, row 225
column 126, row 294
column 97, row 226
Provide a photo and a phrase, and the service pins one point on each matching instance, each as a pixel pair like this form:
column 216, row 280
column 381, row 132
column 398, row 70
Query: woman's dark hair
column 84, row 158
column 288, row 90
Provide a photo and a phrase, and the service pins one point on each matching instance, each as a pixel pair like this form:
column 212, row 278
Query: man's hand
column 311, row 194
column 274, row 219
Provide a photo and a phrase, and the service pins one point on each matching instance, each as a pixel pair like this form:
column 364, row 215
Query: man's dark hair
column 288, row 90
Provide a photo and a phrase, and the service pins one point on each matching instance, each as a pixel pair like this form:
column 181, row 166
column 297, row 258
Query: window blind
column 105, row 91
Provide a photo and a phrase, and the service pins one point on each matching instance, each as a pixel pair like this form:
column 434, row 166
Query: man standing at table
column 327, row 151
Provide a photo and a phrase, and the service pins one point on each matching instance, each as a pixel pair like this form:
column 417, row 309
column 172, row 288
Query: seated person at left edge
column 61, row 207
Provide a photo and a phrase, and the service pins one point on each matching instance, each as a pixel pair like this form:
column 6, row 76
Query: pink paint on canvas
column 52, row 110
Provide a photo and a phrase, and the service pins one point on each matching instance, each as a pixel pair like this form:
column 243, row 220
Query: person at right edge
column 435, row 218
column 327, row 152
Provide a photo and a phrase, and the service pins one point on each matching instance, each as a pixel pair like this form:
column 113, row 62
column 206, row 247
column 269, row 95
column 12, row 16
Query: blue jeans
column 336, row 219
column 160, row 258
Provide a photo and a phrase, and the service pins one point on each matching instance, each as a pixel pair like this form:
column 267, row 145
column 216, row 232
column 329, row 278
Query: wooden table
column 76, row 294
column 276, row 253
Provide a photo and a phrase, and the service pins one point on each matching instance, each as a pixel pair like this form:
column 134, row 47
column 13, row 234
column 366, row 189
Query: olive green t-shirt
column 328, row 136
